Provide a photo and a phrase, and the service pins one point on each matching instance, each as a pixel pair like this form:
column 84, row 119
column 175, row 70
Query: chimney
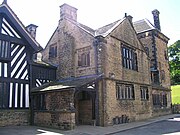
column 156, row 19
column 4, row 2
column 68, row 12
column 130, row 18
column 31, row 28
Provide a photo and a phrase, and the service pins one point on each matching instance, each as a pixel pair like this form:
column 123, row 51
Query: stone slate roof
column 5, row 9
column 73, row 82
column 103, row 31
column 143, row 25
column 139, row 26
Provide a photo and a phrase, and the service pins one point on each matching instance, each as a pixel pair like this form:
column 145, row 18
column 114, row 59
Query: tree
column 174, row 61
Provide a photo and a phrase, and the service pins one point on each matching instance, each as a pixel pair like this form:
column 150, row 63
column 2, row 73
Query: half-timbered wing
column 17, row 47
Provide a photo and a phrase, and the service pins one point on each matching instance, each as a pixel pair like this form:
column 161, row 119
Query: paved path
column 128, row 129
column 165, row 127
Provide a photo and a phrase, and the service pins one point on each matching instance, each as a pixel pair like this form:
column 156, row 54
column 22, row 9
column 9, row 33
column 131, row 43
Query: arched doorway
column 85, row 107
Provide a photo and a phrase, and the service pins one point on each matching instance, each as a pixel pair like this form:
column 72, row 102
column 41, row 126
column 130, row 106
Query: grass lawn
column 175, row 94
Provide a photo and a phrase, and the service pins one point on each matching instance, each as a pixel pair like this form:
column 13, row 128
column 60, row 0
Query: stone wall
column 58, row 112
column 71, row 40
column 14, row 117
column 162, row 110
column 124, row 110
column 63, row 120
column 113, row 56
column 134, row 109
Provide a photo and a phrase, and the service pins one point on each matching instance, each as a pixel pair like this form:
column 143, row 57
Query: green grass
column 175, row 94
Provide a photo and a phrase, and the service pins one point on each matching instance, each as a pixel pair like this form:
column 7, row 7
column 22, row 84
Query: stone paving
column 80, row 130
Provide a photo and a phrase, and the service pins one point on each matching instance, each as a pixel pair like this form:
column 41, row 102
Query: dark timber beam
column 12, row 39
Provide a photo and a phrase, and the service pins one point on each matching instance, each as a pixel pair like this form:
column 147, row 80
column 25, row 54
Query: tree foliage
column 174, row 61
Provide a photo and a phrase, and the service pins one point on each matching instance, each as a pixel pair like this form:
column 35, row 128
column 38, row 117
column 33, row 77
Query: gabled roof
column 73, row 82
column 106, row 30
column 103, row 31
column 143, row 25
column 5, row 9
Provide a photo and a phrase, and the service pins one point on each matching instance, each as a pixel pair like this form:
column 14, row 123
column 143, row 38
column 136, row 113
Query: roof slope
column 73, row 82
column 5, row 9
column 143, row 25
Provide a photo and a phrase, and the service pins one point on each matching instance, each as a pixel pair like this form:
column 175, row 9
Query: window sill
column 125, row 99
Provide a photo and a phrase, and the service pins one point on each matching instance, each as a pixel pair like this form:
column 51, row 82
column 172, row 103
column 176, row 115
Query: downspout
column 100, row 70
column 95, row 44
column 30, row 95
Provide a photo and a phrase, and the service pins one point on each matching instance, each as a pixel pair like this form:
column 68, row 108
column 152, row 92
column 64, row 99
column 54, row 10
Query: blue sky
column 96, row 13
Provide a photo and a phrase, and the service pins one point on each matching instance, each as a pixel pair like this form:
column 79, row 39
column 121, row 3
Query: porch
column 66, row 103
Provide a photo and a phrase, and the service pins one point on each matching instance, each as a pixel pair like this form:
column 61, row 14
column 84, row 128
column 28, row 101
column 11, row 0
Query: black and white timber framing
column 18, row 72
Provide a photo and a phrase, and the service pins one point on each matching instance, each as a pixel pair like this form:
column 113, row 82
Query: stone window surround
column 83, row 55
column 144, row 93
column 124, row 91
column 159, row 100
column 129, row 58
column 53, row 50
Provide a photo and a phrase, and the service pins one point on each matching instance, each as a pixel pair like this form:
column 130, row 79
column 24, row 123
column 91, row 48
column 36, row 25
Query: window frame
column 129, row 58
column 124, row 91
column 39, row 102
column 144, row 92
column 84, row 59
column 53, row 51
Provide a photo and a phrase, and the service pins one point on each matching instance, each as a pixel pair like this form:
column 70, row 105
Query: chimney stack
column 156, row 19
column 68, row 12
column 32, row 30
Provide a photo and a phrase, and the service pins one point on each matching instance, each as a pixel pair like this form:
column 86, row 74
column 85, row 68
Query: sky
column 96, row 13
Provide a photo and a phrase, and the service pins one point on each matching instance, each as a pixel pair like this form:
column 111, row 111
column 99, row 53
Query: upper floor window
column 53, row 51
column 129, row 58
column 4, row 49
column 144, row 93
column 84, row 59
column 124, row 91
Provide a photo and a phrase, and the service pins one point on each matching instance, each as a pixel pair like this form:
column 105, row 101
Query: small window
column 4, row 49
column 124, row 91
column 84, row 59
column 164, row 99
column 53, row 51
column 144, row 93
column 129, row 58
column 39, row 102
column 159, row 100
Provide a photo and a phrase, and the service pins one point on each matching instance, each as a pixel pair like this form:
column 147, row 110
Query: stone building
column 116, row 74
